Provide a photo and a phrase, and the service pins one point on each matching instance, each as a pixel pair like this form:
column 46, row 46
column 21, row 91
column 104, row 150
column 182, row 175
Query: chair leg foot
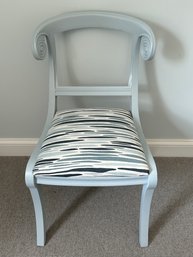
column 39, row 216
column 146, row 199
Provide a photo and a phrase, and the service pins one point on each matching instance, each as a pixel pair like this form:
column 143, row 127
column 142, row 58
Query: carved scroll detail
column 147, row 47
column 40, row 48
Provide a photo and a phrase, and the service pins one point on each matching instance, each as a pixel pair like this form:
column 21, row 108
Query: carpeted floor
column 98, row 221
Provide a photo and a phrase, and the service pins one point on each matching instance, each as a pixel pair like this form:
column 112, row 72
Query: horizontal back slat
column 93, row 91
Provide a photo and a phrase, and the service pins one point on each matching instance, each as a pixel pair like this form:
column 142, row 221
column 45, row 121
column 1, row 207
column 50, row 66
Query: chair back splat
column 93, row 146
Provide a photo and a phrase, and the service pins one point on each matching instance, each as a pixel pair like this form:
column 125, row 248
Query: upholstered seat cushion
column 92, row 142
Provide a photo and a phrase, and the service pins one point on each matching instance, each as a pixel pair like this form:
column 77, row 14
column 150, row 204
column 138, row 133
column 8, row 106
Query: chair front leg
column 145, row 206
column 39, row 216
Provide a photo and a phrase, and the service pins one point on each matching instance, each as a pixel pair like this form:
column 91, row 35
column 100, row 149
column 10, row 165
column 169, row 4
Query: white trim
column 171, row 147
column 159, row 147
column 17, row 146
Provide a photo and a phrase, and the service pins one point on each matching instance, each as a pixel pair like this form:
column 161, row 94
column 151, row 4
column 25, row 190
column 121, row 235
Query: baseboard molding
column 159, row 147
column 171, row 147
column 17, row 146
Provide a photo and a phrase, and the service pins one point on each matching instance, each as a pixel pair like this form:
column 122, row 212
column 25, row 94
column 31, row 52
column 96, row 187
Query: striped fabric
column 92, row 142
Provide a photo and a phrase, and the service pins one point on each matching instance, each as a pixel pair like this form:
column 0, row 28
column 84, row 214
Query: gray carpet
column 98, row 221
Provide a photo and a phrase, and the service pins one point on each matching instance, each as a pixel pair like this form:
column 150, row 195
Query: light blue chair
column 93, row 147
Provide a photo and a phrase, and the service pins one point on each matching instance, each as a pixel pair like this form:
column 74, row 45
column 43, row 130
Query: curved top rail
column 94, row 19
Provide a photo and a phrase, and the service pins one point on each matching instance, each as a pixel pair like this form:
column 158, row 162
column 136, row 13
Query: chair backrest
column 142, row 41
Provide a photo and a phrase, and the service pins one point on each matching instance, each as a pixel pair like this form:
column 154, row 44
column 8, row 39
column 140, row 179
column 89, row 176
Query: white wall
column 166, row 102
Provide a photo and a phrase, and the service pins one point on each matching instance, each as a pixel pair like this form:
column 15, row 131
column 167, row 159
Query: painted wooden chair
column 93, row 147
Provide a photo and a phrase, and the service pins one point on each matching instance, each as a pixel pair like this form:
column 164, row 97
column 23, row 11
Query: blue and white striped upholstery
column 92, row 142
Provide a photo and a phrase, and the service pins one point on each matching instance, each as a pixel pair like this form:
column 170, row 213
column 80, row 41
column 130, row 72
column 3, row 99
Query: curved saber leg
column 146, row 199
column 39, row 216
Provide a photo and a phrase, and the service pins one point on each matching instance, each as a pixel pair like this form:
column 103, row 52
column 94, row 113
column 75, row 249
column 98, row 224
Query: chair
column 92, row 147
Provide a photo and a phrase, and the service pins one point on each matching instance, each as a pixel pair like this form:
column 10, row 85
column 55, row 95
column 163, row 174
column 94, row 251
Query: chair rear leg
column 39, row 216
column 146, row 199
